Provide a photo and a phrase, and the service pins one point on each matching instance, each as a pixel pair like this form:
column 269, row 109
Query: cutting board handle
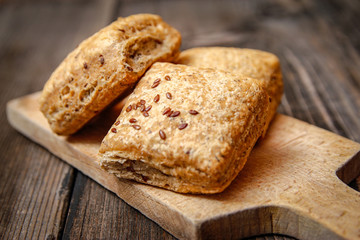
column 290, row 184
column 330, row 209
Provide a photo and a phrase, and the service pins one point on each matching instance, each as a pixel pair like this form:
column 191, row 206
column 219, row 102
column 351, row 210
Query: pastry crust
column 103, row 66
column 249, row 62
column 198, row 148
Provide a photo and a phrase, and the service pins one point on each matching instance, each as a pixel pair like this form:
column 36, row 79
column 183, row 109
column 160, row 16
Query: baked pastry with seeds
column 257, row 64
column 103, row 66
column 198, row 140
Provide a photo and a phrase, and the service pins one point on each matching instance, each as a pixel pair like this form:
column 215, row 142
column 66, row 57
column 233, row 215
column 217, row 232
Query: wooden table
column 42, row 197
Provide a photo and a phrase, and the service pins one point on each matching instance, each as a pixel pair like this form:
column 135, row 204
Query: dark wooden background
column 41, row 197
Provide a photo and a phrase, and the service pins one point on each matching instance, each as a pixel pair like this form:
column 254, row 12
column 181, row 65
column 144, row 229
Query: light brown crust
column 248, row 62
column 103, row 66
column 205, row 156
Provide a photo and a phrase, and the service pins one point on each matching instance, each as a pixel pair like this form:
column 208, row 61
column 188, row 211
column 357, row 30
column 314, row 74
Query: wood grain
column 97, row 213
column 317, row 42
column 35, row 195
column 288, row 186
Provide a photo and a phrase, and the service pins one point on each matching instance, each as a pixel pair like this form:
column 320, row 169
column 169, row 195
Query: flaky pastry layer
column 102, row 67
column 253, row 63
column 187, row 129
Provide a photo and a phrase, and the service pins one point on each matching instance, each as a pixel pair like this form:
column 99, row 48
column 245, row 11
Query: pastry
column 102, row 67
column 186, row 129
column 249, row 62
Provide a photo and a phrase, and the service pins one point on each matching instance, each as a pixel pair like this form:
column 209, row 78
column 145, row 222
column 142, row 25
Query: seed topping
column 146, row 114
column 142, row 108
column 102, row 60
column 193, row 112
column 167, row 78
column 168, row 95
column 157, row 98
column 142, row 102
column 114, row 130
column 132, row 120
column 85, row 65
column 129, row 108
column 175, row 114
column 169, row 113
column 162, row 134
column 182, row 126
column 137, row 127
column 166, row 111
column 148, row 108
column 156, row 83
column 117, row 123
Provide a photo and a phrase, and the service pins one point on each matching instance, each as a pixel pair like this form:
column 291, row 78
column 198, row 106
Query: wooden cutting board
column 290, row 184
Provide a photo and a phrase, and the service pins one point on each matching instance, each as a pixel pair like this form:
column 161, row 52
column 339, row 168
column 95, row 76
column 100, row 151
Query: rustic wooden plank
column 272, row 237
column 312, row 38
column 342, row 17
column 97, row 213
column 35, row 186
column 35, row 201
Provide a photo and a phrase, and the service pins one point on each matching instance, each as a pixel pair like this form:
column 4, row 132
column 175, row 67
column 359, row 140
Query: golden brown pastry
column 186, row 129
column 103, row 66
column 249, row 62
